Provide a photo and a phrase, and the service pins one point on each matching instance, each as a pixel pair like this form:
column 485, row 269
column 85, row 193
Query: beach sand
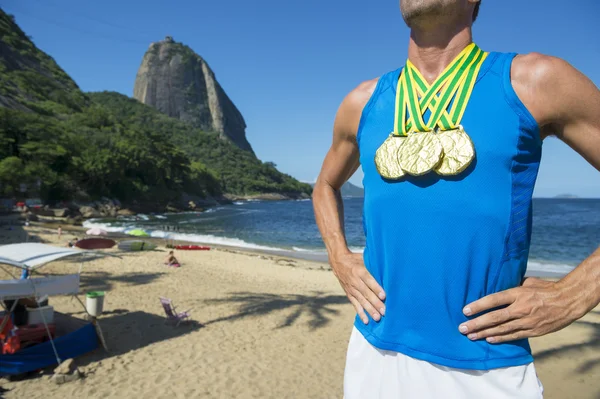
column 262, row 327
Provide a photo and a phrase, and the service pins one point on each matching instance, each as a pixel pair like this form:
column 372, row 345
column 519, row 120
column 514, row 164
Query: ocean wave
column 239, row 203
column 160, row 216
column 547, row 267
column 105, row 226
column 358, row 250
column 211, row 239
column 311, row 251
column 199, row 238
column 324, row 251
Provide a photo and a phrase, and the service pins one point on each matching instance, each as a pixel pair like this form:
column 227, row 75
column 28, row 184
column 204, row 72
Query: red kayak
column 95, row 243
column 192, row 248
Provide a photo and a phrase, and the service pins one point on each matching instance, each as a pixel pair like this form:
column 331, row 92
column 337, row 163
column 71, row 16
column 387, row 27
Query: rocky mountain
column 178, row 82
column 350, row 190
column 60, row 144
column 30, row 77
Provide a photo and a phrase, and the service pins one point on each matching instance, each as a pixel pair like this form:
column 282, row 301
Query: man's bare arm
column 572, row 113
column 566, row 104
column 340, row 163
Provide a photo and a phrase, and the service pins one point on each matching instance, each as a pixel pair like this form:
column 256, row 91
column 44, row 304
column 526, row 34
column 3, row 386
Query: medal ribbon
column 464, row 89
column 459, row 77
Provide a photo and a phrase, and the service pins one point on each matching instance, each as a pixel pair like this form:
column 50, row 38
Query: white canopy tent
column 31, row 256
column 39, row 287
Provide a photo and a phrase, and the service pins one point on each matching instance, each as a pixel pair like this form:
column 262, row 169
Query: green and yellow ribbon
column 456, row 81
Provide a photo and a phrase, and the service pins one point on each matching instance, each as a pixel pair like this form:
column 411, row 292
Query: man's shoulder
column 360, row 95
column 537, row 69
column 539, row 81
column 350, row 111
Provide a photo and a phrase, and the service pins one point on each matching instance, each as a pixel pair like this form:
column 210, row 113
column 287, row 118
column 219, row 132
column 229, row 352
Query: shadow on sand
column 126, row 331
column 318, row 307
column 123, row 332
column 593, row 343
column 104, row 281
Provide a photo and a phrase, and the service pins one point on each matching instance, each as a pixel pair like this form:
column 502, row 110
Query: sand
column 262, row 327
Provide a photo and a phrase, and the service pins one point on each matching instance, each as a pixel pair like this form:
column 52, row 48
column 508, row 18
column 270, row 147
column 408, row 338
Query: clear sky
column 288, row 64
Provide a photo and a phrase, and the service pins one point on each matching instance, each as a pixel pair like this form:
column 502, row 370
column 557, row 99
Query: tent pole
column 95, row 323
column 45, row 323
column 12, row 309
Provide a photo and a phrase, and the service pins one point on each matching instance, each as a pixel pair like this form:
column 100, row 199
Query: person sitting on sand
column 171, row 260
column 72, row 243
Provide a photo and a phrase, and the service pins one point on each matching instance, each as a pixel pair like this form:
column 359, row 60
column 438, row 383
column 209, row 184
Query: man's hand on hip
column 361, row 288
column 536, row 308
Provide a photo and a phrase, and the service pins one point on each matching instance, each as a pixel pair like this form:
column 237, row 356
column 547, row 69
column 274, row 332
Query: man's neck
column 431, row 50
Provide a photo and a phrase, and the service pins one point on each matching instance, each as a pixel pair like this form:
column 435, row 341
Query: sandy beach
column 262, row 327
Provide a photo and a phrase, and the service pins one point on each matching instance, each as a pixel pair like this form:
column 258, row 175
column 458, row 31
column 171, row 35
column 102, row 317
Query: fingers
column 370, row 295
column 359, row 310
column 365, row 301
column 491, row 334
column 486, row 321
column 374, row 286
column 509, row 337
column 490, row 302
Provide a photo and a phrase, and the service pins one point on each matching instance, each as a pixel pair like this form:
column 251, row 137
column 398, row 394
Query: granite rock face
column 178, row 82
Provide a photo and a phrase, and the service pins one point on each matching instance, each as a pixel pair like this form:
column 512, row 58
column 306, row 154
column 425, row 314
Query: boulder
column 67, row 371
column 66, row 367
column 125, row 212
column 62, row 213
column 108, row 210
column 31, row 217
column 74, row 220
column 89, row 212
column 42, row 211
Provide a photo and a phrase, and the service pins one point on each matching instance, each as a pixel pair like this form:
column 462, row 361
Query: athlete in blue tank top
column 450, row 146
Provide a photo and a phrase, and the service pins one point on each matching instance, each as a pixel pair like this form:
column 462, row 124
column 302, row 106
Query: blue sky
column 288, row 64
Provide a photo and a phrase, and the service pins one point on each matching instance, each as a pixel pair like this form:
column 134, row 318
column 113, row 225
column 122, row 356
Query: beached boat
column 95, row 243
column 135, row 245
column 191, row 247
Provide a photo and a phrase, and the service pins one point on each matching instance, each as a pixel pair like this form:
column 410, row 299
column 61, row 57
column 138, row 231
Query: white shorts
column 373, row 373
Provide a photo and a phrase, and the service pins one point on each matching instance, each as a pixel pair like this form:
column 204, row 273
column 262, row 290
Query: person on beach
column 450, row 146
column 59, row 232
column 171, row 260
column 72, row 243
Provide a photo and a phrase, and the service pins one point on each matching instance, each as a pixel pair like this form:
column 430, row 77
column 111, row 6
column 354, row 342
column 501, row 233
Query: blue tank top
column 437, row 243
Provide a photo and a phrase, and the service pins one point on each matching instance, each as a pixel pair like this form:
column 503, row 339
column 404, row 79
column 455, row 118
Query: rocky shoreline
column 75, row 214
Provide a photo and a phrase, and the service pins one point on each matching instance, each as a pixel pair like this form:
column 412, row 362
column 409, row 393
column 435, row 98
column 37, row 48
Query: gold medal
column 449, row 150
column 458, row 151
column 386, row 157
column 420, row 153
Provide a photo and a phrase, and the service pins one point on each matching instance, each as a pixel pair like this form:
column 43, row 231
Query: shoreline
column 319, row 258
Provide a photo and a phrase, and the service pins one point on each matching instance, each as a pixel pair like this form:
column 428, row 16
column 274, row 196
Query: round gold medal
column 386, row 157
column 458, row 151
column 420, row 153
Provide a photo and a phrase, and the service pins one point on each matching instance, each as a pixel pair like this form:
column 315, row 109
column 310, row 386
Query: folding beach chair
column 171, row 312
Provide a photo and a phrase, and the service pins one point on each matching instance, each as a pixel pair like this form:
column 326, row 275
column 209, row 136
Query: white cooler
column 34, row 315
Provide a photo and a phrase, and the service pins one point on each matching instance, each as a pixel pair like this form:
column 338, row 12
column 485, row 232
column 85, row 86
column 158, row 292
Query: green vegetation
column 85, row 146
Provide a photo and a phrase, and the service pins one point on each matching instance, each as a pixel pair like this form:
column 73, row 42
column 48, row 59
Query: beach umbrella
column 95, row 231
column 138, row 233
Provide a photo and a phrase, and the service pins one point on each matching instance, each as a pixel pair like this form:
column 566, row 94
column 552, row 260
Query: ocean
column 565, row 231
